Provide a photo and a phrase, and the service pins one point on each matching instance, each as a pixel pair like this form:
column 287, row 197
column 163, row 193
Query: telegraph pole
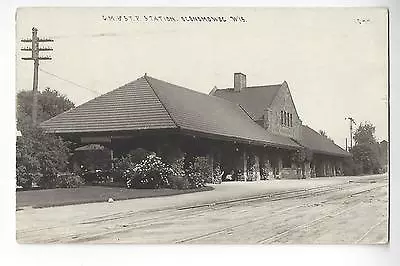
column 36, row 58
column 351, row 120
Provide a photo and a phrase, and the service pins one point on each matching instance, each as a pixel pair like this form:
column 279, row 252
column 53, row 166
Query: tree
column 383, row 147
column 39, row 156
column 365, row 156
column 365, row 134
column 324, row 134
column 50, row 104
column 366, row 150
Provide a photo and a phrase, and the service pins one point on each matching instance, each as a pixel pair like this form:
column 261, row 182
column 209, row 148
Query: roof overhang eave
column 331, row 153
column 237, row 139
column 107, row 132
column 324, row 152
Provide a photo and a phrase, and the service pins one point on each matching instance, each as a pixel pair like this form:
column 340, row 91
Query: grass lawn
column 88, row 194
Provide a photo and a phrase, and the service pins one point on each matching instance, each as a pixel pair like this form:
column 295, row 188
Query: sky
column 335, row 60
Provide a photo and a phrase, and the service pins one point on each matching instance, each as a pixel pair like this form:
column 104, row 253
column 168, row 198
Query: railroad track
column 185, row 212
column 225, row 229
column 330, row 215
column 371, row 229
column 275, row 238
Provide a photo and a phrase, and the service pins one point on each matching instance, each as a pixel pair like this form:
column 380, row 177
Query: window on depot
column 291, row 120
column 284, row 118
column 287, row 119
column 281, row 117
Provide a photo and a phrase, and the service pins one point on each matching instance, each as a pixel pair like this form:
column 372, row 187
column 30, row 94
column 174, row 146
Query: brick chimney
column 239, row 82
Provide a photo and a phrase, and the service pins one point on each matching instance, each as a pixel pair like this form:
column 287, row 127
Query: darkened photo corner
column 202, row 125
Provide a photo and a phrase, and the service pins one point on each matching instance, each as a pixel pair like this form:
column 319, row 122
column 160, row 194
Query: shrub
column 129, row 160
column 27, row 166
column 102, row 176
column 366, row 156
column 170, row 153
column 196, row 171
column 201, row 165
column 68, row 180
column 251, row 167
column 151, row 172
column 179, row 182
column 124, row 166
column 178, row 167
column 265, row 170
column 40, row 157
column 139, row 154
column 351, row 168
column 26, row 172
column 195, row 179
column 90, row 177
column 217, row 178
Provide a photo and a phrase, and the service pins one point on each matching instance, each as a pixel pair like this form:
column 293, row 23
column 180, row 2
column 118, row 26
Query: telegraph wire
column 69, row 81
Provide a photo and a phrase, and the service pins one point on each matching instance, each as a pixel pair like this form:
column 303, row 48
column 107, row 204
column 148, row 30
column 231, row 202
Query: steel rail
column 369, row 231
column 318, row 220
column 316, row 191
column 202, row 236
column 188, row 212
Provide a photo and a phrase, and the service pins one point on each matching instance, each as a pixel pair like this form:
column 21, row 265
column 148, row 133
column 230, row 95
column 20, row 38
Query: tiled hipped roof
column 253, row 99
column 320, row 144
column 149, row 103
column 134, row 106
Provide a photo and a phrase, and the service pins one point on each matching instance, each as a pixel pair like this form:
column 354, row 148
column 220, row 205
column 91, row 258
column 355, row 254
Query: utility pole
column 351, row 120
column 36, row 58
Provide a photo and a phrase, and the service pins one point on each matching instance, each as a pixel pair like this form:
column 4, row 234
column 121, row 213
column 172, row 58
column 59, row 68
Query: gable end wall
column 283, row 101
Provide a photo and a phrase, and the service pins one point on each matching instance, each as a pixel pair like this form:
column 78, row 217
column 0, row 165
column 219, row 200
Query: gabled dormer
column 271, row 106
column 283, row 118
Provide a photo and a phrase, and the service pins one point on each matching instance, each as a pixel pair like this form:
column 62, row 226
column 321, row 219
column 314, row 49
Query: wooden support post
column 257, row 167
column 334, row 168
column 210, row 161
column 280, row 166
column 308, row 171
column 244, row 165
column 112, row 158
column 158, row 149
column 326, row 169
column 314, row 171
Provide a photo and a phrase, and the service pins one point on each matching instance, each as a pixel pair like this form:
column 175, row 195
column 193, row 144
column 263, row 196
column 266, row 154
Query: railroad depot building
column 254, row 133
